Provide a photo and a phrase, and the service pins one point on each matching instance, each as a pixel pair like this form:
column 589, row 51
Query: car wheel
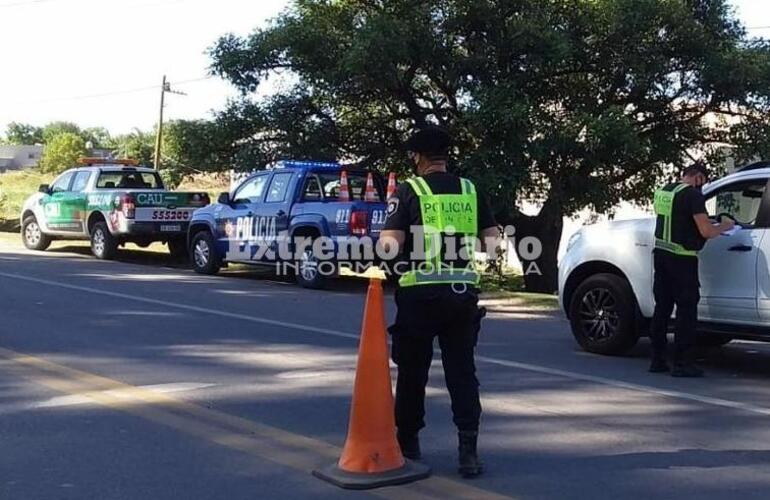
column 312, row 272
column 177, row 247
column 33, row 236
column 603, row 315
column 103, row 244
column 205, row 259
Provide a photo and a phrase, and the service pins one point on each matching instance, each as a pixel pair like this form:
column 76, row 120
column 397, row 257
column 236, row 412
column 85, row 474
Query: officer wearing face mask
column 435, row 220
column 682, row 229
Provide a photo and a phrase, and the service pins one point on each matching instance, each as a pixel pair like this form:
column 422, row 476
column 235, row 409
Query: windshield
column 129, row 180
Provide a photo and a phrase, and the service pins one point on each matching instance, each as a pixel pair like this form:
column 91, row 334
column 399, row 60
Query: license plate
column 170, row 228
column 162, row 215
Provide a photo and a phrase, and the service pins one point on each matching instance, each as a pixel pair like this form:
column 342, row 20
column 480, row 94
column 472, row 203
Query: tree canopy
column 22, row 133
column 62, row 152
column 572, row 104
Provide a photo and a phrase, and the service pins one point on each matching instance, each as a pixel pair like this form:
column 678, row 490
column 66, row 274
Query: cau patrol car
column 290, row 202
column 110, row 202
column 605, row 278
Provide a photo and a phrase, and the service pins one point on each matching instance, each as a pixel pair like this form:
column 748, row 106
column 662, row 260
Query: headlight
column 574, row 239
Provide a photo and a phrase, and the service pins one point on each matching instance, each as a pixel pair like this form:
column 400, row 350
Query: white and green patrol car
column 109, row 202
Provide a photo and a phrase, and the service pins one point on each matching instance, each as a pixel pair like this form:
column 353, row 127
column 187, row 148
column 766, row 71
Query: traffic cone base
column 409, row 472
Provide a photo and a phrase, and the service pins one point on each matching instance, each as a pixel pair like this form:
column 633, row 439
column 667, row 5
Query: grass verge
column 15, row 187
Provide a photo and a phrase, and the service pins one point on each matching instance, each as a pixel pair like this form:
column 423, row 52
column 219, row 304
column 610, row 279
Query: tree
column 137, row 145
column 23, row 133
column 54, row 129
column 99, row 137
column 62, row 152
column 567, row 103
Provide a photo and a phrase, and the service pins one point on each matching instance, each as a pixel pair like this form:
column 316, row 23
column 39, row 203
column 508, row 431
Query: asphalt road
column 140, row 379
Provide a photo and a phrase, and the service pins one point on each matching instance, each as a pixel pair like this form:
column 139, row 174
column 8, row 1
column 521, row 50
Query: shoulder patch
column 392, row 205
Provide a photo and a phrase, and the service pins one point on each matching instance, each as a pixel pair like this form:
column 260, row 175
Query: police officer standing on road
column 682, row 229
column 437, row 212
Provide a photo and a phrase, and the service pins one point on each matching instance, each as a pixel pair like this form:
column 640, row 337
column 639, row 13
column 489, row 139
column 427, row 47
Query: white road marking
column 718, row 402
column 78, row 399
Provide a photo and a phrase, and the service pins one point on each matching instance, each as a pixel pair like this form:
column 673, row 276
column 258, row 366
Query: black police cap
column 697, row 167
column 432, row 139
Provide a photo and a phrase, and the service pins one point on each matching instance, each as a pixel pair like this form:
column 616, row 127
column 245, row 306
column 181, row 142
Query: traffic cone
column 344, row 188
column 391, row 185
column 370, row 194
column 371, row 457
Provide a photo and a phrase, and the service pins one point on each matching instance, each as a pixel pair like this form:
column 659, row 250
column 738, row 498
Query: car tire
column 104, row 245
column 311, row 272
column 203, row 254
column 177, row 247
column 33, row 236
column 603, row 315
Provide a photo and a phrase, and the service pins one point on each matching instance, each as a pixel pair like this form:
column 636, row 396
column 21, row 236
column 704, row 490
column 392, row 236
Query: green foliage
column 99, row 137
column 62, row 152
column 54, row 129
column 137, row 145
column 23, row 133
column 15, row 188
column 576, row 103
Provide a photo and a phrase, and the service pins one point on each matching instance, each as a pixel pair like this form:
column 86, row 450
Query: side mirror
column 224, row 199
column 44, row 188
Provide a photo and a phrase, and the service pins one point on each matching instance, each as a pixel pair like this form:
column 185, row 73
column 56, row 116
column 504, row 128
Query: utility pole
column 165, row 87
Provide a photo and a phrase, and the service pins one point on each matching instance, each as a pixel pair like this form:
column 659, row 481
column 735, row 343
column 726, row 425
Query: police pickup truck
column 605, row 277
column 110, row 202
column 286, row 216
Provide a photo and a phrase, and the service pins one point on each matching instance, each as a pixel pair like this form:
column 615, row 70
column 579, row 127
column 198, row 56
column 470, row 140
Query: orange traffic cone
column 391, row 185
column 371, row 457
column 344, row 188
column 370, row 194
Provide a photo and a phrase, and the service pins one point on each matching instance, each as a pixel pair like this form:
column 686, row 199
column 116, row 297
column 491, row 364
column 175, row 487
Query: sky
column 100, row 62
column 59, row 57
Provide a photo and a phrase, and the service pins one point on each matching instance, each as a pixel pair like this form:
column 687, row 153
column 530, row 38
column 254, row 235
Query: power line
column 23, row 4
column 758, row 28
column 120, row 92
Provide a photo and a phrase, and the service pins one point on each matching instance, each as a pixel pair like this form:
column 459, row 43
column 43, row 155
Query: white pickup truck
column 605, row 277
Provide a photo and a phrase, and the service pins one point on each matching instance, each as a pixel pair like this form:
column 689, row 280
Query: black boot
column 659, row 364
column 470, row 465
column 685, row 366
column 410, row 445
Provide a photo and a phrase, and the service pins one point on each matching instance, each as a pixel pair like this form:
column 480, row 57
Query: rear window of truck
column 326, row 186
column 129, row 180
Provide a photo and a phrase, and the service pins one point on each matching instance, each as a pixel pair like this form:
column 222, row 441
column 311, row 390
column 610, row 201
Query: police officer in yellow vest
column 682, row 229
column 435, row 219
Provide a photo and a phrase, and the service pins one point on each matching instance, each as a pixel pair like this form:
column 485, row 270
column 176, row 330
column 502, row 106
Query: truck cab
column 287, row 216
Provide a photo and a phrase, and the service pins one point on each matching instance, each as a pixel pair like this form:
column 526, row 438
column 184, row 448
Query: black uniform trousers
column 426, row 312
column 675, row 283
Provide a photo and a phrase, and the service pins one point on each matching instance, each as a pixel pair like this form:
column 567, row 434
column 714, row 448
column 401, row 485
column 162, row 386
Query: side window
column 278, row 187
column 741, row 200
column 252, row 190
column 81, row 181
column 62, row 183
column 312, row 191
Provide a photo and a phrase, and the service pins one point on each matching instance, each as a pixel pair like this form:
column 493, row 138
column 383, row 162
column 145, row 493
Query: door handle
column 249, row 214
column 740, row 248
column 280, row 213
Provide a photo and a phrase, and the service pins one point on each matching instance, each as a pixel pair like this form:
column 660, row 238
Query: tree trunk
column 541, row 272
